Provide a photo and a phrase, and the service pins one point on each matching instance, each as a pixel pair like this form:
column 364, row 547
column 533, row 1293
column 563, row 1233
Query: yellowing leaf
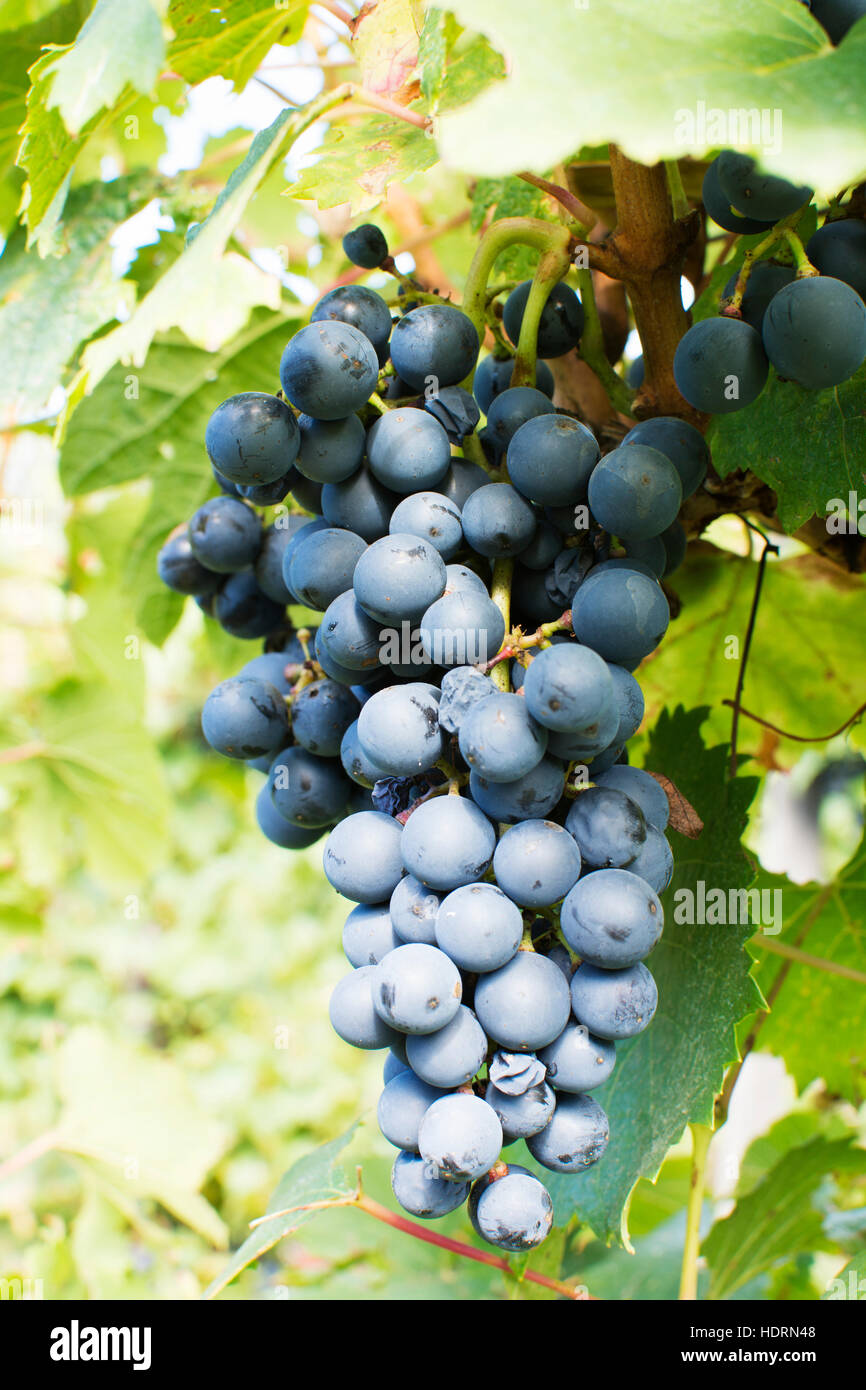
column 230, row 40
column 385, row 45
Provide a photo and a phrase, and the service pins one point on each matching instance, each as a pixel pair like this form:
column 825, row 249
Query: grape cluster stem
column 359, row 1199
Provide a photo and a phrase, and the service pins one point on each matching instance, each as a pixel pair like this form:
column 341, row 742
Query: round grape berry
column 328, row 370
column 525, row 1004
column 363, row 308
column 536, row 863
column 362, row 857
column 614, row 1004
column 366, row 246
column 417, row 988
column 815, row 332
column 459, row 1137
column 551, row 459
column 252, row 438
column 514, row 1212
column 447, row 842
column 452, row 1055
column 576, row 1137
column 244, row 718
column 434, row 341
column 225, row 535
column 680, row 442
column 577, row 1061
column 720, row 365
column 612, row 918
column 635, row 493
column 478, row 927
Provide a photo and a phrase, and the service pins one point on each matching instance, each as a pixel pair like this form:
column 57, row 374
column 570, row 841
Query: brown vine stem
column 769, row 549
column 679, row 201
column 776, row 234
column 799, row 738
column 647, row 251
column 804, row 266
column 518, row 641
column 274, row 91
column 390, row 107
column 359, row 1199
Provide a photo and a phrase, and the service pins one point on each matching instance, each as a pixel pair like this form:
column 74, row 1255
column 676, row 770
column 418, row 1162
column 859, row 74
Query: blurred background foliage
column 164, row 971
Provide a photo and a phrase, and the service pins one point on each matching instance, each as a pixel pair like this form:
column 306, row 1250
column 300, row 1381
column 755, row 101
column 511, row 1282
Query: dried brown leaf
column 684, row 817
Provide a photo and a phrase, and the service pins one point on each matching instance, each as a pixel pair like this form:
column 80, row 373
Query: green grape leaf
column 795, row 1129
column 20, row 48
column 133, row 1117
column 97, row 780
column 850, row 1282
column 777, row 1218
column 120, row 45
column 151, row 424
column 356, row 162
column 546, row 1260
column 808, row 446
column 805, row 674
column 317, row 1177
column 47, row 307
column 669, row 1075
column 136, row 141
column 47, row 155
column 14, row 13
column 73, row 92
column 93, row 791
column 230, row 40
column 439, row 32
column 190, row 279
column 674, row 79
column 474, row 65
column 651, row 1272
column 818, row 1024
column 653, row 1203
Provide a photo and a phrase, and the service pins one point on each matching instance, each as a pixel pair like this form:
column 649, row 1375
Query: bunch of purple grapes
column 473, row 782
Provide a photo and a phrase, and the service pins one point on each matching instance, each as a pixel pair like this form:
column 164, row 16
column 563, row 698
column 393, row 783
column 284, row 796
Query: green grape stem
column 552, row 267
column 783, row 231
column 503, row 573
column 542, row 236
column 805, row 268
column 592, row 349
column 679, row 201
column 517, row 643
